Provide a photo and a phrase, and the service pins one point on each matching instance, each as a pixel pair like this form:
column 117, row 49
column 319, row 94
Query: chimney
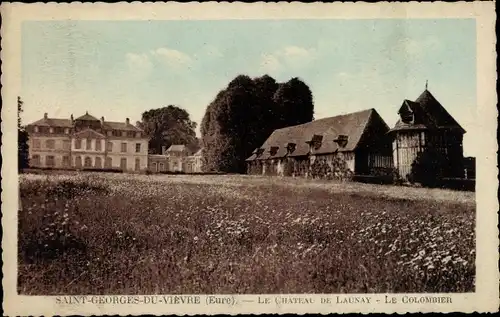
column 45, row 115
column 163, row 149
column 102, row 120
column 71, row 118
column 127, row 121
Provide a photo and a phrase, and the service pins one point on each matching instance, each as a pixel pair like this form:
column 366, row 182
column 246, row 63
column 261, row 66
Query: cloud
column 141, row 61
column 418, row 48
column 269, row 63
column 172, row 58
column 293, row 57
column 139, row 64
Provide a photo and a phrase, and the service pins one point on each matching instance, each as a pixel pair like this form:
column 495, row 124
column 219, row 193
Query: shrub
column 427, row 169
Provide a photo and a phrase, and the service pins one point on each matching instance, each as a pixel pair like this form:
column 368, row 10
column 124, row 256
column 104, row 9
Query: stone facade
column 87, row 143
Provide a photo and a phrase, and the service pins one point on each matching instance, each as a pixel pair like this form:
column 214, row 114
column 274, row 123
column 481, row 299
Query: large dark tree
column 22, row 139
column 294, row 102
column 243, row 115
column 166, row 126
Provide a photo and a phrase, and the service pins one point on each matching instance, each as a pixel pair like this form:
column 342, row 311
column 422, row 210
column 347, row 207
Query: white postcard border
column 486, row 296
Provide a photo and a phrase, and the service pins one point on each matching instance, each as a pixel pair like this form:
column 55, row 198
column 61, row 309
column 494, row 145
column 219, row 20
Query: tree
column 245, row 113
column 22, row 139
column 166, row 126
column 294, row 103
column 428, row 168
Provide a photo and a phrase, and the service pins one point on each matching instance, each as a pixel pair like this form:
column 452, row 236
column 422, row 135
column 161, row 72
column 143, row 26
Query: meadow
column 88, row 233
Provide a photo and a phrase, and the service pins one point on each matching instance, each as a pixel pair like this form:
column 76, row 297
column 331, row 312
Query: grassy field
column 138, row 234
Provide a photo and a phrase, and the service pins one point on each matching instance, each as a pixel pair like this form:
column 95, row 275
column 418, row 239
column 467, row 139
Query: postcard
column 230, row 158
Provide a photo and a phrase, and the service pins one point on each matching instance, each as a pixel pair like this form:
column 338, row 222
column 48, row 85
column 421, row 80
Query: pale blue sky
column 119, row 69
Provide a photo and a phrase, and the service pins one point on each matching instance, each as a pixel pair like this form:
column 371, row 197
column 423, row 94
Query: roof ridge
column 327, row 118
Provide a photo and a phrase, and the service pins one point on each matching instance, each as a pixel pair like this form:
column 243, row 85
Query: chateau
column 87, row 142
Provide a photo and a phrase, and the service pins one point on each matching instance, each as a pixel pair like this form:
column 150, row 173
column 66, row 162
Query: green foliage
column 428, row 168
column 294, row 103
column 22, row 140
column 245, row 113
column 168, row 125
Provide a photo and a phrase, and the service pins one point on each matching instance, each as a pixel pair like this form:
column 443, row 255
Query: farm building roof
column 428, row 113
column 328, row 131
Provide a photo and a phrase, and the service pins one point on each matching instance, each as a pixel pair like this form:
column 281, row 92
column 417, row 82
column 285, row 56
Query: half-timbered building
column 425, row 124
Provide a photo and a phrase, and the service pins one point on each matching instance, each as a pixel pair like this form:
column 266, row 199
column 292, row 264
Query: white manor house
column 90, row 143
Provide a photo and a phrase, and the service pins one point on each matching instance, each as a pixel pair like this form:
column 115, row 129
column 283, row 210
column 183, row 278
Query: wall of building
column 408, row 144
column 45, row 150
column 92, row 153
column 338, row 165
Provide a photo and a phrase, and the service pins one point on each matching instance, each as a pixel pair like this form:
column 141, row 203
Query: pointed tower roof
column 428, row 113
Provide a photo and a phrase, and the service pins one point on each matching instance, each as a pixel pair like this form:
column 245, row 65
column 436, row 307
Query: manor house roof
column 68, row 123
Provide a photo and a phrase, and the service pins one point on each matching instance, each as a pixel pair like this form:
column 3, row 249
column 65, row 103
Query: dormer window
column 316, row 141
column 66, row 130
column 51, row 130
column 36, row 129
column 273, row 150
column 290, row 147
column 341, row 140
column 406, row 114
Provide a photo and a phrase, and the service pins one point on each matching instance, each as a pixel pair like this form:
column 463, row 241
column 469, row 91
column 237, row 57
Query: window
column 138, row 134
column 36, row 129
column 66, row 131
column 66, row 145
column 110, row 133
column 88, row 162
column 50, row 161
column 35, row 160
column 123, row 163
column 98, row 162
column 78, row 144
column 89, row 144
column 154, row 167
column 108, row 162
column 36, row 143
column 137, row 164
column 50, row 144
column 124, row 133
column 137, row 148
column 78, row 161
column 109, row 146
column 97, row 145
column 51, row 130
column 65, row 161
column 162, row 167
column 124, row 147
